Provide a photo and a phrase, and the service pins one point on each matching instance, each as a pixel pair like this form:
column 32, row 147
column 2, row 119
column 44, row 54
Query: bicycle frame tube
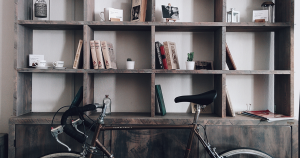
column 192, row 127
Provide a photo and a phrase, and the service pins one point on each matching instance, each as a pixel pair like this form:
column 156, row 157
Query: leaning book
column 266, row 115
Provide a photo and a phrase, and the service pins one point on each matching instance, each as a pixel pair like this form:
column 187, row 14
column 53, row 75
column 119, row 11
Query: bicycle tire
column 64, row 155
column 244, row 151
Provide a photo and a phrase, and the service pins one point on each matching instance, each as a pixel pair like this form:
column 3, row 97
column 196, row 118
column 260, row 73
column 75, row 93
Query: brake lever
column 76, row 123
column 55, row 132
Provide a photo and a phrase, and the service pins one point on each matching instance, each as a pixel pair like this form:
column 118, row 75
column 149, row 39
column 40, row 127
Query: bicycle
column 89, row 149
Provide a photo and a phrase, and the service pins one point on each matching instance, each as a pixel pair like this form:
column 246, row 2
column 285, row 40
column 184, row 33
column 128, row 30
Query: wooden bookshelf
column 283, row 68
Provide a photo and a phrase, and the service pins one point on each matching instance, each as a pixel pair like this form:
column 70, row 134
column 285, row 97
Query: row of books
column 103, row 56
column 166, row 56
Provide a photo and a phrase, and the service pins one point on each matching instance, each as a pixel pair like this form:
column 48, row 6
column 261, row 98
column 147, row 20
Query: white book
column 94, row 56
column 77, row 55
column 99, row 54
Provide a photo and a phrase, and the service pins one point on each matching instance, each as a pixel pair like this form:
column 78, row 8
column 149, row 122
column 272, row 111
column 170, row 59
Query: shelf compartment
column 52, row 25
column 256, row 72
column 119, row 26
column 256, row 27
column 128, row 92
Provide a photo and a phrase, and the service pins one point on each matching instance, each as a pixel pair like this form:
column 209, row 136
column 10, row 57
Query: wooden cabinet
column 24, row 27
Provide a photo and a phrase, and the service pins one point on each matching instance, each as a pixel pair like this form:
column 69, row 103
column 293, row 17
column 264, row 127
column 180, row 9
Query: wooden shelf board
column 144, row 118
column 52, row 25
column 119, row 71
column 187, row 26
column 257, row 72
column 229, row 72
column 51, row 70
column 255, row 27
column 119, row 26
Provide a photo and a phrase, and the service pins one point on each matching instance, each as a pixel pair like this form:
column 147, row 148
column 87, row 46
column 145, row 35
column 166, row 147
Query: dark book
column 160, row 99
column 163, row 57
column 229, row 59
column 158, row 60
column 229, row 108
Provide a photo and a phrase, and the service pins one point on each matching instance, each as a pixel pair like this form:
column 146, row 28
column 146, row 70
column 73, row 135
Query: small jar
column 40, row 9
column 107, row 102
column 233, row 16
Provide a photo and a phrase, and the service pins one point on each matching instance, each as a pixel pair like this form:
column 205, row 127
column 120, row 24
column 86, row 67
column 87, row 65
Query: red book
column 163, row 56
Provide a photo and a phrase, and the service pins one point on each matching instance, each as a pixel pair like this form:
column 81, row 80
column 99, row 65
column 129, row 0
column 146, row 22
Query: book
column 77, row 55
column 94, row 56
column 266, row 115
column 229, row 108
column 138, row 10
column 229, row 59
column 163, row 57
column 171, row 55
column 109, row 55
column 99, row 54
column 158, row 60
column 160, row 99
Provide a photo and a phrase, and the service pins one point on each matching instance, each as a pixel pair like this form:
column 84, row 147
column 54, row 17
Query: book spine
column 93, row 52
column 112, row 55
column 158, row 60
column 173, row 55
column 160, row 99
column 105, row 54
column 168, row 57
column 163, row 57
column 99, row 54
column 77, row 55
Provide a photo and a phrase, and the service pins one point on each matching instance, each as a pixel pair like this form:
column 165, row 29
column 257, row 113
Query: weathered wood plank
column 88, row 11
column 257, row 137
column 152, row 95
column 220, row 11
column 88, row 35
column 283, row 10
column 295, row 141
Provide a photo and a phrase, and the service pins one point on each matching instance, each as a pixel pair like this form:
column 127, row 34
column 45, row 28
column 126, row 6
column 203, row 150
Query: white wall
column 243, row 88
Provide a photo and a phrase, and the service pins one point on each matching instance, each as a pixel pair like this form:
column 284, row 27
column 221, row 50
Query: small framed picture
column 170, row 12
column 204, row 65
column 34, row 58
column 135, row 13
column 259, row 15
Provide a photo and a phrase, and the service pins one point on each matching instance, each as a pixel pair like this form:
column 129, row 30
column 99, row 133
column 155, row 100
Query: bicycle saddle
column 202, row 99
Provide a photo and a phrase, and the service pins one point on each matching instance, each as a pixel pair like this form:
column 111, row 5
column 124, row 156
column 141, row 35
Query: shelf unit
column 284, row 52
column 283, row 28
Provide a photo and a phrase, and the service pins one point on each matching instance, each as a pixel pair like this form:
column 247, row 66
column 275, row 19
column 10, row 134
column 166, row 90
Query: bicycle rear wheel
column 243, row 152
column 63, row 155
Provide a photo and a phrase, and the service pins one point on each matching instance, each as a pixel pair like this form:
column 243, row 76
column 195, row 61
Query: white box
column 260, row 14
column 115, row 13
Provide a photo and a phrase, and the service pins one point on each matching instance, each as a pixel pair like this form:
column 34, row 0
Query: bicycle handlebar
column 75, row 111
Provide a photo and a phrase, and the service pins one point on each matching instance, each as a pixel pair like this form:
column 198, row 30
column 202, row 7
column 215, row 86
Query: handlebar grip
column 68, row 128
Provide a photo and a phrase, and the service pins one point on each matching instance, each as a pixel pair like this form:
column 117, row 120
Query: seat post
column 197, row 113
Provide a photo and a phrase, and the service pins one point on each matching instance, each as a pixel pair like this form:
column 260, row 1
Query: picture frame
column 170, row 12
column 204, row 65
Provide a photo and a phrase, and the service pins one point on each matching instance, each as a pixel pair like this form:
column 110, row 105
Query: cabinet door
column 274, row 140
column 151, row 143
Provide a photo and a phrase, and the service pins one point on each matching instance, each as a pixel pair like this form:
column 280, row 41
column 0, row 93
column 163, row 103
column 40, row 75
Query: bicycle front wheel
column 240, row 152
column 63, row 155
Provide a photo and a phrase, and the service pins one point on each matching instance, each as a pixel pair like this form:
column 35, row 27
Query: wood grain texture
column 295, row 141
column 88, row 35
column 88, row 11
column 220, row 11
column 152, row 95
column 11, row 138
column 22, row 94
column 153, row 11
column 88, row 89
column 153, row 47
column 151, row 143
column 220, row 101
column 220, row 49
column 283, row 10
column 283, row 95
column 257, row 137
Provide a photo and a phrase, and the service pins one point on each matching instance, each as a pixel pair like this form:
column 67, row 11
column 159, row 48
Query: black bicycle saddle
column 202, row 99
